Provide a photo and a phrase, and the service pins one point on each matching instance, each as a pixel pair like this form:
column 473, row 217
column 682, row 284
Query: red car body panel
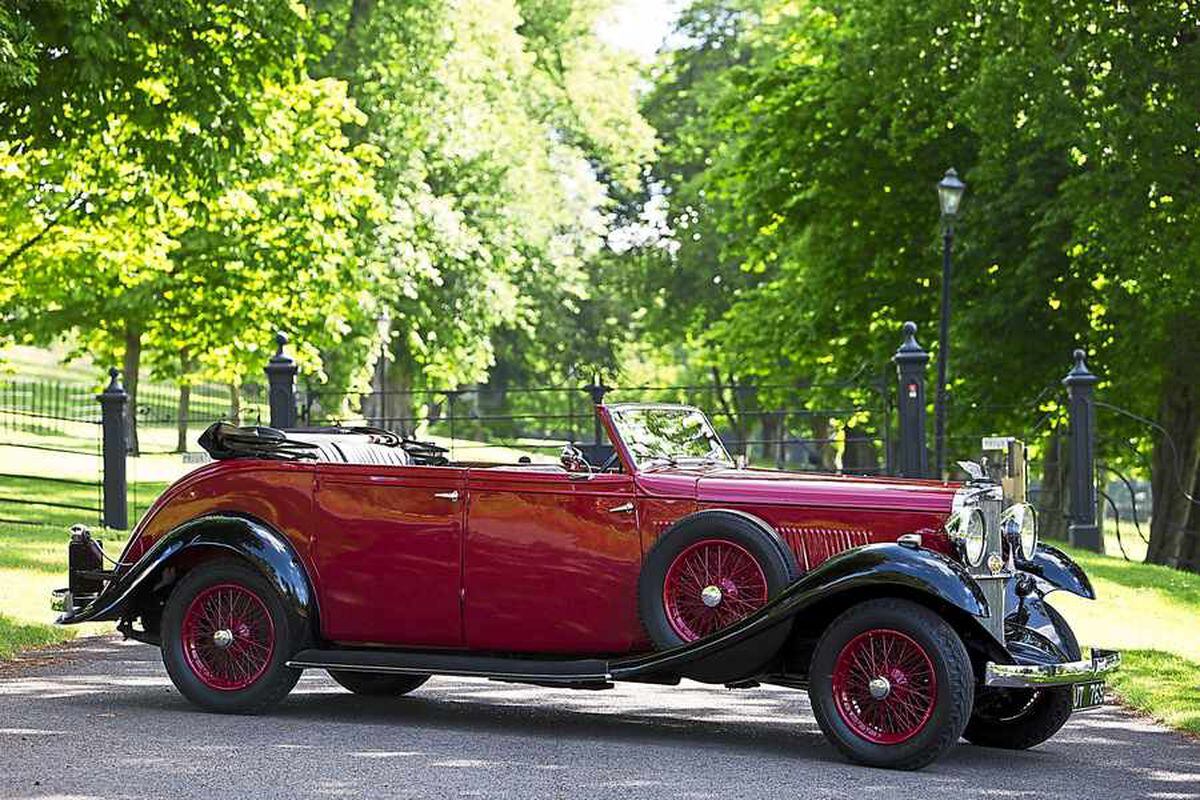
column 525, row 559
column 388, row 553
column 549, row 564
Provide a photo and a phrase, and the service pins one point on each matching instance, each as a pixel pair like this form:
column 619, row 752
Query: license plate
column 1089, row 695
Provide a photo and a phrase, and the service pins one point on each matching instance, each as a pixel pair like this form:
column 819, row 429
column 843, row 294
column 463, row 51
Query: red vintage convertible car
column 911, row 611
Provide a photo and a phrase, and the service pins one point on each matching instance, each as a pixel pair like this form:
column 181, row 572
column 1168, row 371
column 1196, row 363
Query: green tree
column 815, row 158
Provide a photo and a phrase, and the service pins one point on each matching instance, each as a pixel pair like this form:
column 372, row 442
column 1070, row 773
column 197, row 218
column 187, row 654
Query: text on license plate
column 1088, row 695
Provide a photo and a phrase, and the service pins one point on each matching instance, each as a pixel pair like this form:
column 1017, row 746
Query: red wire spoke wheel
column 712, row 584
column 228, row 637
column 884, row 686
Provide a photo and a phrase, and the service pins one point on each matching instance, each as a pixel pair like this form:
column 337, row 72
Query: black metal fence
column 770, row 425
column 876, row 425
column 43, row 424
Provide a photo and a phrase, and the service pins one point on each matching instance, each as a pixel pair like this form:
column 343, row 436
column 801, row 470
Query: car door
column 389, row 554
column 551, row 562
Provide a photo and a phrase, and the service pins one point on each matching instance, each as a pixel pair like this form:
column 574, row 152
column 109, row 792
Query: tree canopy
column 802, row 144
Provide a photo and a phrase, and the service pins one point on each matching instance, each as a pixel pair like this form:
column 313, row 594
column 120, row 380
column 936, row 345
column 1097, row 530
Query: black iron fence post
column 596, row 389
column 911, row 361
column 281, row 379
column 115, row 436
column 1082, row 530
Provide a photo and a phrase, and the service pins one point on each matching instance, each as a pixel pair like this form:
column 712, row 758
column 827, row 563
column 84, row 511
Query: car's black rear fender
column 236, row 535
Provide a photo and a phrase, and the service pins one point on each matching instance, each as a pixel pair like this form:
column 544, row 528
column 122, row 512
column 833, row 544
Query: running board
column 578, row 673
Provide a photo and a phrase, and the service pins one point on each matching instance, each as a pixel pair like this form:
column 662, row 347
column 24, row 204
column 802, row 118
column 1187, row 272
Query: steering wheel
column 573, row 459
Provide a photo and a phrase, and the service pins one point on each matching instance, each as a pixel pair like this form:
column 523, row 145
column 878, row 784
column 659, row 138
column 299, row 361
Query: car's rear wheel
column 707, row 573
column 226, row 639
column 891, row 684
column 376, row 684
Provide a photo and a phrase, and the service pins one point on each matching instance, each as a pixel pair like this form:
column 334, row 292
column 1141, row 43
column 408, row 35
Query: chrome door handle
column 626, row 508
column 451, row 496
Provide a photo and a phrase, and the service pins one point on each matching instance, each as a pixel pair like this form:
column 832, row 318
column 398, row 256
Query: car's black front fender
column 875, row 570
column 243, row 536
column 1053, row 569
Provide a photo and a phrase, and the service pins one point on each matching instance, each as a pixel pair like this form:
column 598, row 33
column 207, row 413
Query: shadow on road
column 110, row 703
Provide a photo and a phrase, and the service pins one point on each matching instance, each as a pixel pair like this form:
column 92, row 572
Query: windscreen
column 670, row 434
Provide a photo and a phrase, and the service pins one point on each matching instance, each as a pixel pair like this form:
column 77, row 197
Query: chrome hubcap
column 711, row 596
column 223, row 638
column 879, row 687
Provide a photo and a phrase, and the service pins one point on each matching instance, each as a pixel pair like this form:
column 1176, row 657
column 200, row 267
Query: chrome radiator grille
column 991, row 503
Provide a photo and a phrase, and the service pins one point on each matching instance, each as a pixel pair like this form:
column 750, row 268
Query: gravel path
column 99, row 718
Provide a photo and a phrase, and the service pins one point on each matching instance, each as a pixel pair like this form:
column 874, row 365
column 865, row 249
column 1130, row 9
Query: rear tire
column 708, row 572
column 891, row 684
column 377, row 684
column 227, row 637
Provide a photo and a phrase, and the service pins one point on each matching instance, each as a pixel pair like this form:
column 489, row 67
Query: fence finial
column 114, row 382
column 281, row 339
column 1080, row 374
column 281, row 372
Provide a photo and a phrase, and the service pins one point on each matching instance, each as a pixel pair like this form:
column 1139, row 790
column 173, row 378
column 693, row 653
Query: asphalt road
column 100, row 719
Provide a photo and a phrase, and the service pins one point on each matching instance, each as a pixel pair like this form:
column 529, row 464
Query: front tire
column 226, row 639
column 376, row 684
column 1018, row 719
column 891, row 684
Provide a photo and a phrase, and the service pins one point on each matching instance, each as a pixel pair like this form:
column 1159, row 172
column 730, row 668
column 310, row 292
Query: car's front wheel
column 891, row 684
column 1018, row 719
column 226, row 639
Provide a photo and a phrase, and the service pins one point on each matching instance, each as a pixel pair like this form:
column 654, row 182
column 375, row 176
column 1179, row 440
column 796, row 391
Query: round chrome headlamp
column 968, row 527
column 974, row 537
column 1019, row 524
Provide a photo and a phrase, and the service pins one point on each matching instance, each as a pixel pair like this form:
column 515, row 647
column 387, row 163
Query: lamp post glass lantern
column 950, row 192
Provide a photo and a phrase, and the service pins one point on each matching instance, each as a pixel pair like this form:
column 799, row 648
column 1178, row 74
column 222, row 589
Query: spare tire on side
column 707, row 572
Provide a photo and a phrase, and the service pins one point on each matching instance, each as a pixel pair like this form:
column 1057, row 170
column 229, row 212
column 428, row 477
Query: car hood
column 776, row 487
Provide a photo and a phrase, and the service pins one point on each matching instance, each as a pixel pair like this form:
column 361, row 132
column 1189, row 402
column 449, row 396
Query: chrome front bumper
column 1096, row 668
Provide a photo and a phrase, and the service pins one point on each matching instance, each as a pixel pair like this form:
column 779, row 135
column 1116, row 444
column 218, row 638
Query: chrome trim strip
column 1100, row 664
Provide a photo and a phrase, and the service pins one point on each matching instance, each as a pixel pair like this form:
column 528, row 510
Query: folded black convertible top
column 223, row 440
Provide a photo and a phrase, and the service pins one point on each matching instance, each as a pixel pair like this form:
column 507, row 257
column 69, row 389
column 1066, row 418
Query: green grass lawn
column 33, row 556
column 1151, row 614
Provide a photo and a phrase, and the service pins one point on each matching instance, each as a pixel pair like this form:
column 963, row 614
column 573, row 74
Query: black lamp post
column 950, row 191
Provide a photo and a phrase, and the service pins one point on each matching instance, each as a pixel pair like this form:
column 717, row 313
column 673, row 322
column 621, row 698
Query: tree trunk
column 1173, row 472
column 1052, row 515
column 772, row 438
column 1189, row 540
column 859, row 455
column 392, row 404
column 181, row 420
column 132, row 363
column 235, row 404
column 822, row 434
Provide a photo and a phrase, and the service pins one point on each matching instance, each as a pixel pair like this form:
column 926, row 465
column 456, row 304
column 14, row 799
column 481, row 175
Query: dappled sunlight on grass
column 17, row 636
column 1162, row 685
column 1151, row 614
